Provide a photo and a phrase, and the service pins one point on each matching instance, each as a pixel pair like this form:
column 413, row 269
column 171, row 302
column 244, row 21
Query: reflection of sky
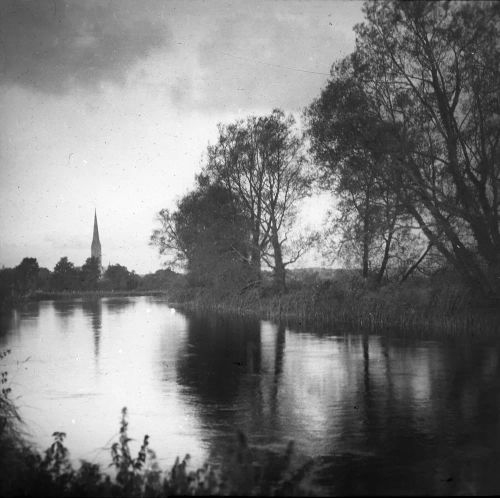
column 322, row 393
column 62, row 389
column 190, row 382
column 317, row 396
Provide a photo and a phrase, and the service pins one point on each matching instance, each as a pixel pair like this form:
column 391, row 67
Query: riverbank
column 12, row 301
column 421, row 307
column 58, row 296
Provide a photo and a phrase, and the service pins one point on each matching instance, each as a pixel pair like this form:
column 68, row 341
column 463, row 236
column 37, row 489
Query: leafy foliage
column 261, row 161
column 117, row 277
column 349, row 142
column 243, row 474
column 209, row 233
column 27, row 280
column 26, row 274
column 431, row 67
column 65, row 276
column 8, row 411
column 243, row 207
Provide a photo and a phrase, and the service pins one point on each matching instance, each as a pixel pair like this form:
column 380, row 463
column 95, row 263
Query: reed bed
column 417, row 311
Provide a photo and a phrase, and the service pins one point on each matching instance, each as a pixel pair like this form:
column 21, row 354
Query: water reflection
column 92, row 308
column 219, row 352
column 65, row 308
column 20, row 320
column 119, row 304
column 382, row 415
column 379, row 414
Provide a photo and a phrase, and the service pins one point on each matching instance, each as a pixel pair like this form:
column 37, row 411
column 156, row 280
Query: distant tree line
column 28, row 277
column 406, row 135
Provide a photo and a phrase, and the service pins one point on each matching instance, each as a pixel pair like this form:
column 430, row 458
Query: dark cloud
column 55, row 45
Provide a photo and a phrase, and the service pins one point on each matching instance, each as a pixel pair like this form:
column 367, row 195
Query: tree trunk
column 415, row 264
column 464, row 261
column 385, row 259
column 255, row 257
column 366, row 236
column 279, row 267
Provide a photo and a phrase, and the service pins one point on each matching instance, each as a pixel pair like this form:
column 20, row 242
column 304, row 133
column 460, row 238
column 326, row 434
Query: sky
column 110, row 105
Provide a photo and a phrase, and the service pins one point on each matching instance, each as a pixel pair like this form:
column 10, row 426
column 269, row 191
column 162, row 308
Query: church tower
column 95, row 248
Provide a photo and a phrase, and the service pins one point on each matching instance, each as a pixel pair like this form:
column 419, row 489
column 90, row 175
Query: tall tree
column 117, row 277
column 286, row 182
column 236, row 162
column 90, row 273
column 210, row 235
column 26, row 275
column 433, row 68
column 349, row 143
column 261, row 162
column 65, row 275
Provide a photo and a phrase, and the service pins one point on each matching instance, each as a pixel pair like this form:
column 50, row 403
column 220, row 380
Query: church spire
column 95, row 248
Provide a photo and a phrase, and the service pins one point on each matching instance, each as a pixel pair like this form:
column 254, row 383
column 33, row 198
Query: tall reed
column 419, row 310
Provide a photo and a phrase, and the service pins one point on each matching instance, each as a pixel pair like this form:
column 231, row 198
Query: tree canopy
column 426, row 74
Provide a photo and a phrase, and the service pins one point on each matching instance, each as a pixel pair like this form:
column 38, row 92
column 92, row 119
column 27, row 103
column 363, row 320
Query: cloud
column 269, row 54
column 56, row 45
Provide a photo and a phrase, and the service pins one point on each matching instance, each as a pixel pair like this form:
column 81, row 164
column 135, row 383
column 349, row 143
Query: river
column 380, row 414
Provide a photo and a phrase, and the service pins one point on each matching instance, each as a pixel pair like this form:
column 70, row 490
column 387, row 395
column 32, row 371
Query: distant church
column 95, row 248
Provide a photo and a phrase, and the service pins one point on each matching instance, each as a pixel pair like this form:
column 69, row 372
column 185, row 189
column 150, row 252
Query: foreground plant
column 9, row 415
column 244, row 472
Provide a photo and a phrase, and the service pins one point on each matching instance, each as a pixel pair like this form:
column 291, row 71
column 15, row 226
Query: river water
column 379, row 414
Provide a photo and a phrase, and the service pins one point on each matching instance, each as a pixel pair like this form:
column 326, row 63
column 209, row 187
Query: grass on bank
column 420, row 306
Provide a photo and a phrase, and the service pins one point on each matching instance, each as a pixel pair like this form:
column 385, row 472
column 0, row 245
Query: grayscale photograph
column 249, row 247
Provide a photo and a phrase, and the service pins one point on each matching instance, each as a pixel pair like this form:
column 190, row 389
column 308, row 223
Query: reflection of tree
column 93, row 309
column 424, row 419
column 65, row 310
column 221, row 351
column 393, row 416
column 366, row 365
column 27, row 312
column 468, row 416
column 370, row 413
column 118, row 304
column 279, row 354
column 30, row 309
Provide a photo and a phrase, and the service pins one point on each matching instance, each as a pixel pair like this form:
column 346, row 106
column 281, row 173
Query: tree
column 44, row 279
column 65, row 275
column 90, row 273
column 261, row 162
column 26, row 275
column 236, row 162
column 117, row 277
column 162, row 279
column 210, row 234
column 286, row 182
column 349, row 142
column 7, row 284
column 433, row 68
